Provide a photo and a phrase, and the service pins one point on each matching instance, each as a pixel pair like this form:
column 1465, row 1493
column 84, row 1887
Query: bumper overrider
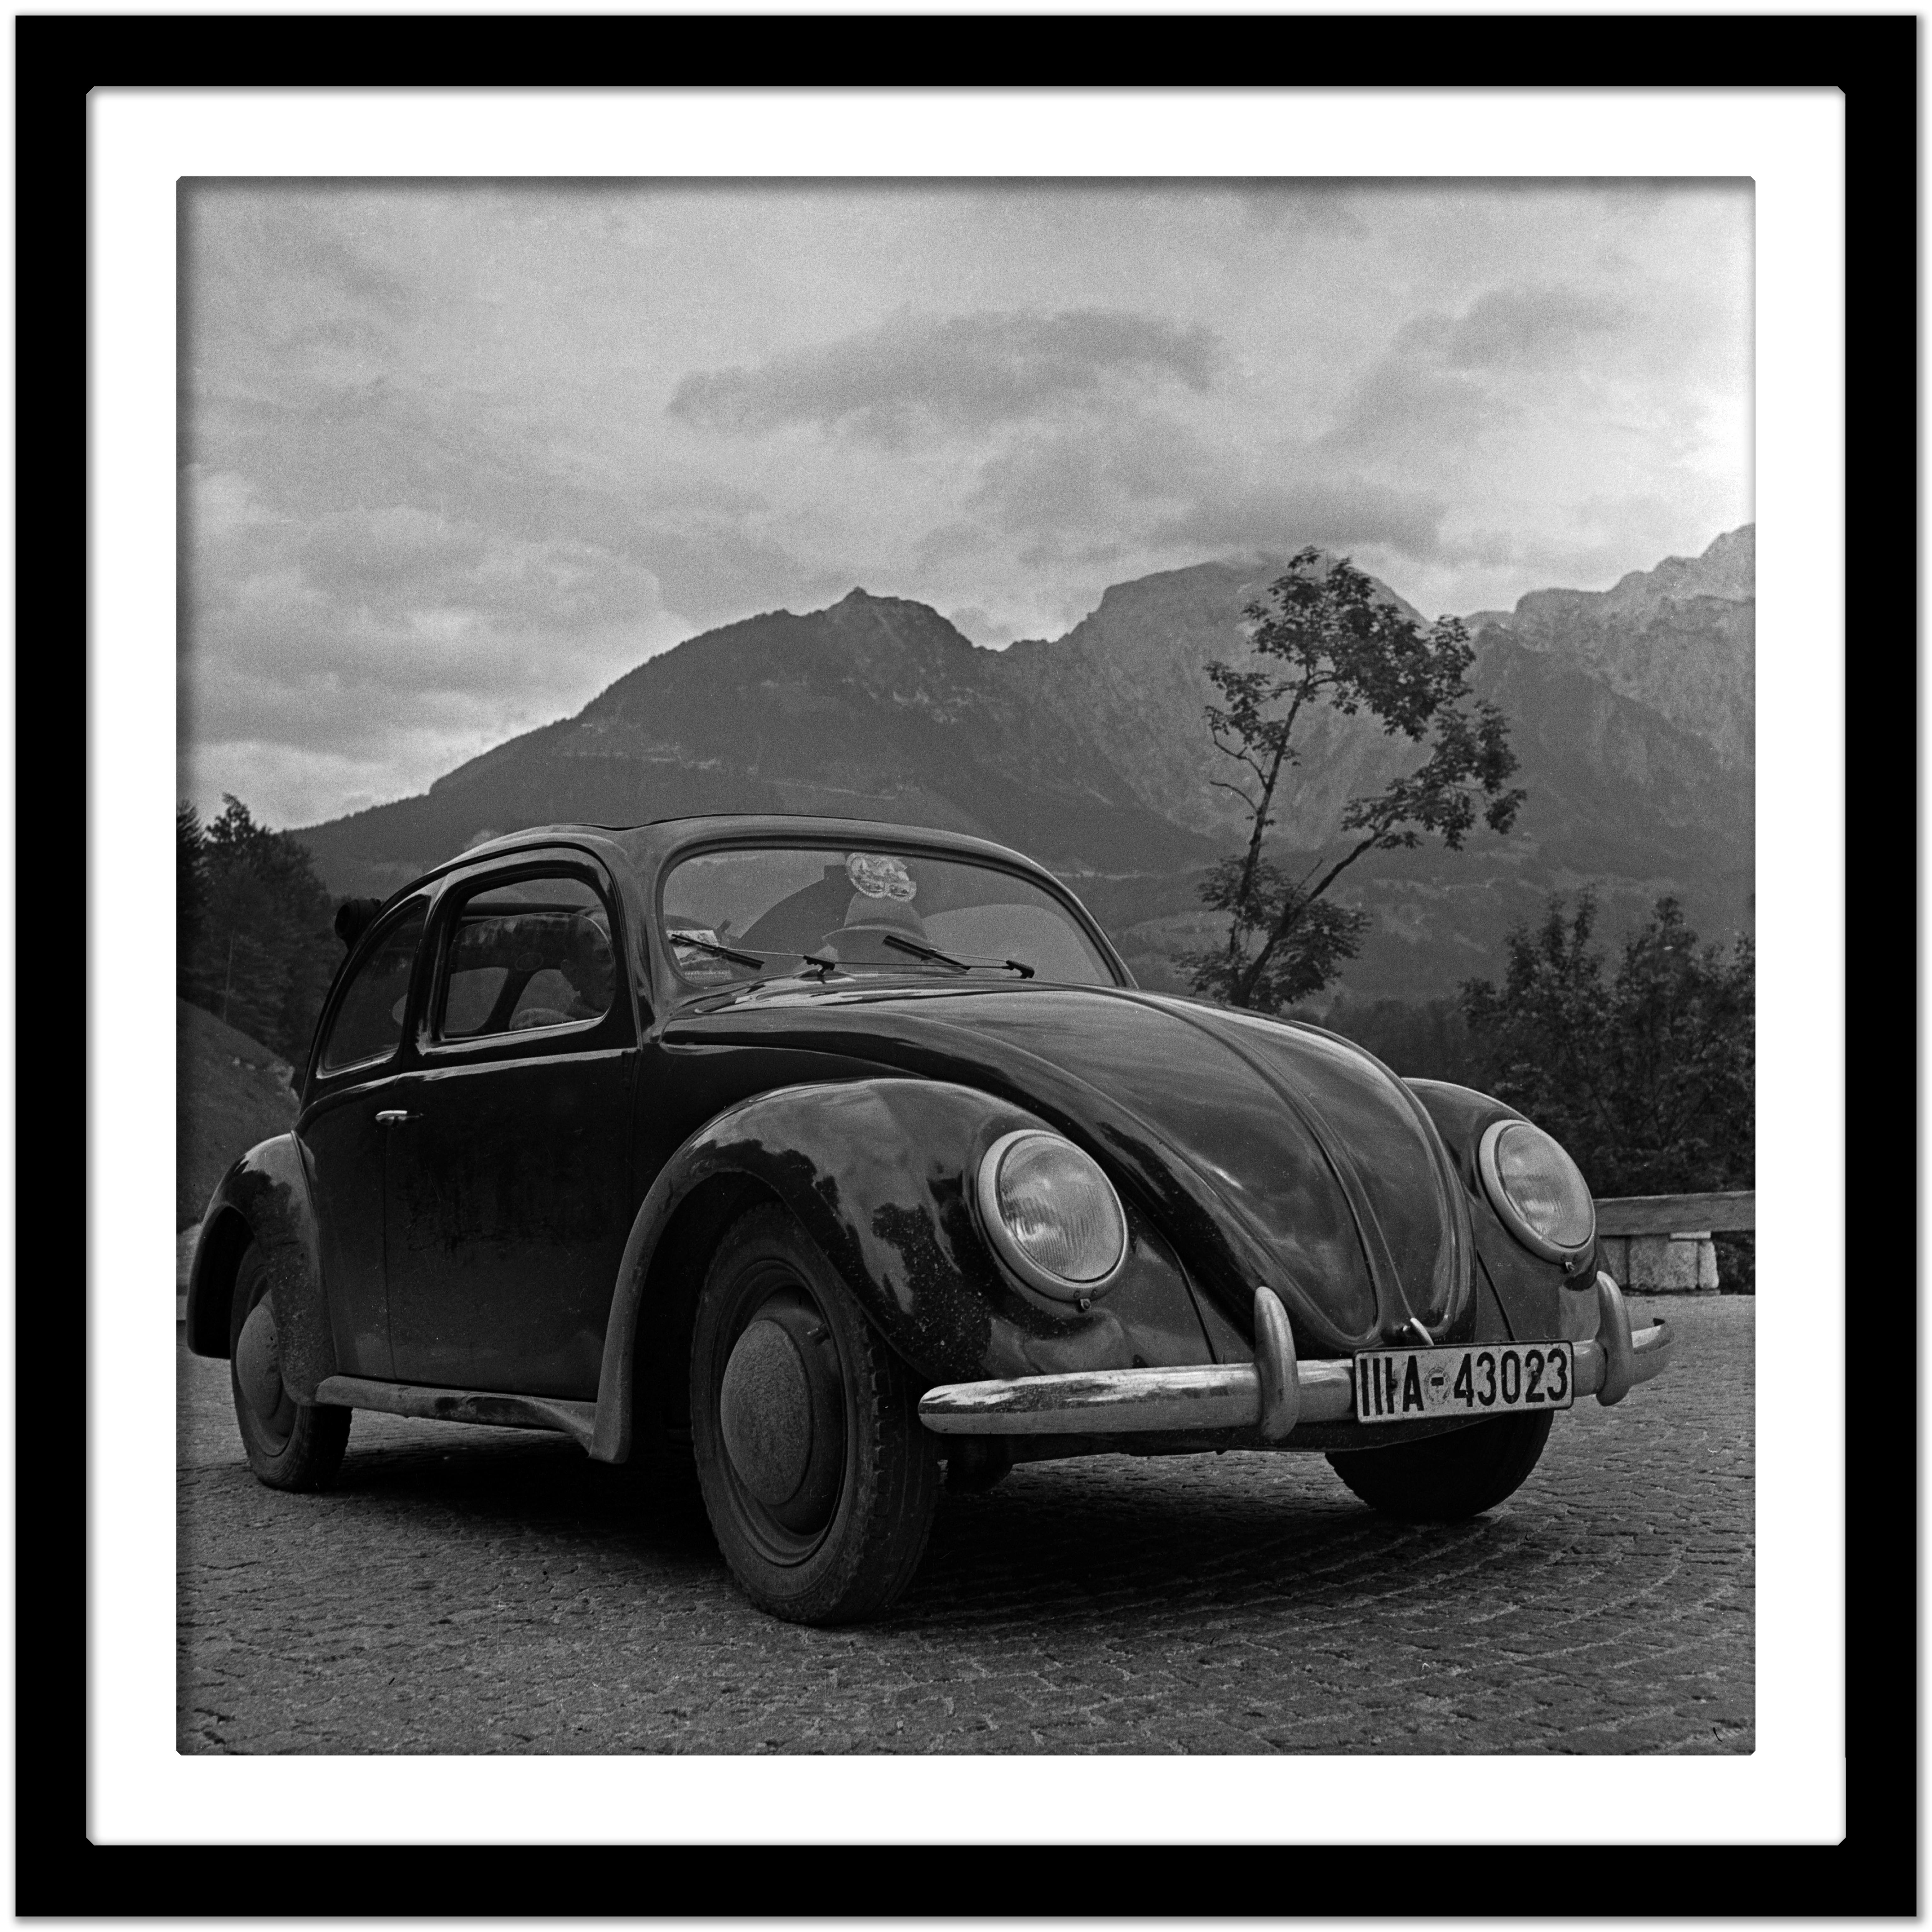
column 1269, row 1399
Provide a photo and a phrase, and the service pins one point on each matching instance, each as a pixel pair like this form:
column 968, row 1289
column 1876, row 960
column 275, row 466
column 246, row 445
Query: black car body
column 545, row 1106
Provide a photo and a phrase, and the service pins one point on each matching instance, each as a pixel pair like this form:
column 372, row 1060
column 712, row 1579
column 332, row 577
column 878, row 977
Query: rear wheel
column 291, row 1444
column 1445, row 1478
column 818, row 1478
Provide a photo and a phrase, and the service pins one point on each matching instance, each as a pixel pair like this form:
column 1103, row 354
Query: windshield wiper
column 920, row 951
column 720, row 952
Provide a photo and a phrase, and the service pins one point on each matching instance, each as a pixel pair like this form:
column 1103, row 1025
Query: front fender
column 1538, row 1300
column 265, row 1197
column 878, row 1172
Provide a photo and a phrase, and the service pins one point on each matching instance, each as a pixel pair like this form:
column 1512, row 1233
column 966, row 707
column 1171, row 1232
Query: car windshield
column 755, row 912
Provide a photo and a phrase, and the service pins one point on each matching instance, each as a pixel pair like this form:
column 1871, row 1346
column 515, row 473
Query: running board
column 577, row 1419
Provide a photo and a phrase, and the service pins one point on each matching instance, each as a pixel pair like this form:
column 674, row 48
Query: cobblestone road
column 467, row 1590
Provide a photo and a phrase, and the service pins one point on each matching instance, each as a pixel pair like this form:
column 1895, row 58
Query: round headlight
column 1538, row 1189
column 1052, row 1214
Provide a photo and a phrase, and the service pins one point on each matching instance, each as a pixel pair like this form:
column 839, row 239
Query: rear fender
column 265, row 1198
column 1539, row 1301
column 878, row 1174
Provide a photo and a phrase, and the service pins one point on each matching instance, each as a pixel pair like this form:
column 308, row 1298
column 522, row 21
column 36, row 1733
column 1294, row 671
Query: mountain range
column 1631, row 711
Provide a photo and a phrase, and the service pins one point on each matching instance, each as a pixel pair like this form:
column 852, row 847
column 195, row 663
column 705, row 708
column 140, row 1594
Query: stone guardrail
column 1661, row 1244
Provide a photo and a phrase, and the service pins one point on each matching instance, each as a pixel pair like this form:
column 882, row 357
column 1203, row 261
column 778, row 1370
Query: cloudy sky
column 453, row 457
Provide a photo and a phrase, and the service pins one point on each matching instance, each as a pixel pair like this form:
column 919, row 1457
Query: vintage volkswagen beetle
column 842, row 1151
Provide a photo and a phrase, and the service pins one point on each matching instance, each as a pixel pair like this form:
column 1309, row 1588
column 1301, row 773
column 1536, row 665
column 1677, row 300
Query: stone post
column 1684, row 1264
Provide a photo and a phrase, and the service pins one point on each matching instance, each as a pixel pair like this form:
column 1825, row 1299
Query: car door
column 509, row 1194
column 363, row 1056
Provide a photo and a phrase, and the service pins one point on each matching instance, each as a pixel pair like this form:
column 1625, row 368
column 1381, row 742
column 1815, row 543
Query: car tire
column 1447, row 1478
column 819, row 1479
column 291, row 1444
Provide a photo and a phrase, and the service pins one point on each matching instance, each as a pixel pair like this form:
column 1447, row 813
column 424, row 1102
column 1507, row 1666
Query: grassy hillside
column 231, row 1091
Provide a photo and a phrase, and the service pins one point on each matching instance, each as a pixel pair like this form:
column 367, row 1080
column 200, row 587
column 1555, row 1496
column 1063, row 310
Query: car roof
column 644, row 847
column 636, row 854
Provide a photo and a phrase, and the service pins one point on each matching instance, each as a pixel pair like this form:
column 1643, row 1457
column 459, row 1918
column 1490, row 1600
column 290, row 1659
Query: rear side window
column 520, row 957
column 369, row 1022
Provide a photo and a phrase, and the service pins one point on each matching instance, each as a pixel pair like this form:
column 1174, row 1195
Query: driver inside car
column 869, row 921
column 795, row 922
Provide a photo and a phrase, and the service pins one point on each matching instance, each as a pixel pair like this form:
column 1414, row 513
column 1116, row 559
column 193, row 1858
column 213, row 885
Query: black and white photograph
column 966, row 967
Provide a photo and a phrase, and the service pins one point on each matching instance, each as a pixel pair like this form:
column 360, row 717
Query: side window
column 369, row 1022
column 533, row 954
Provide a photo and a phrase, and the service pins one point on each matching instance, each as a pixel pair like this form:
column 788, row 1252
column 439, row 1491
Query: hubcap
column 765, row 1408
column 258, row 1361
column 781, row 1420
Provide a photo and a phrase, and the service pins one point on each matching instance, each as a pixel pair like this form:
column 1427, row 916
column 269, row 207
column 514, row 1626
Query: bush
column 1737, row 1263
column 1648, row 1076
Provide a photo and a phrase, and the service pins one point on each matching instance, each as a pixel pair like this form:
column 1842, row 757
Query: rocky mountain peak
column 1681, row 638
column 1727, row 569
column 1630, row 710
column 861, row 617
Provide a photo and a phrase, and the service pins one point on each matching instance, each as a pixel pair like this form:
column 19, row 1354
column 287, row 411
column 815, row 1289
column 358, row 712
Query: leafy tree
column 191, row 892
column 1647, row 1075
column 1324, row 639
column 264, row 952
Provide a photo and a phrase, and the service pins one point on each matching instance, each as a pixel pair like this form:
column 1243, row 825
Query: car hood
column 1273, row 1151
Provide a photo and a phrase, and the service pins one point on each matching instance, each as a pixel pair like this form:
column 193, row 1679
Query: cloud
column 277, row 689
column 967, row 372
column 275, row 660
column 1446, row 380
column 373, row 642
column 950, row 544
column 384, row 644
column 456, row 484
column 1404, row 405
column 399, row 551
column 1052, row 551
column 389, row 566
column 435, row 495
column 1103, row 493
column 1283, row 516
column 1485, row 549
column 1523, row 327
column 291, row 785
column 1309, row 207
column 1090, row 475
column 1602, row 533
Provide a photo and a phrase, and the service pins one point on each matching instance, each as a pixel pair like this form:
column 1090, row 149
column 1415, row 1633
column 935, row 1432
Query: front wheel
column 1446, row 1478
column 291, row 1444
column 818, row 1478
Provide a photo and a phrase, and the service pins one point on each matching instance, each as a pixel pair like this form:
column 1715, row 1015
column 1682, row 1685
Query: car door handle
column 390, row 1116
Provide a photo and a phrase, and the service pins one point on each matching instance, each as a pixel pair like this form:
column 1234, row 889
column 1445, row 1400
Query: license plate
column 1412, row 1384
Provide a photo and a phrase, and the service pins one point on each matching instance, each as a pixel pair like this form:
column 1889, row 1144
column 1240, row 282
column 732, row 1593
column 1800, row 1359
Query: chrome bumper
column 1274, row 1393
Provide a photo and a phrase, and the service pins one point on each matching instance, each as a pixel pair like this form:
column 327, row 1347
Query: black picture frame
column 59, row 58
